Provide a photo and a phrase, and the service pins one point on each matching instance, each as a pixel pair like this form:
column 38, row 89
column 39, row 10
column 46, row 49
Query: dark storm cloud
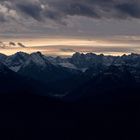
column 97, row 8
column 31, row 9
column 59, row 9
column 80, row 9
column 51, row 16
column 132, row 10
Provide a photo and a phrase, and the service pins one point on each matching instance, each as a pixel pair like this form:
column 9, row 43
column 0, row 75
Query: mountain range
column 86, row 96
column 62, row 76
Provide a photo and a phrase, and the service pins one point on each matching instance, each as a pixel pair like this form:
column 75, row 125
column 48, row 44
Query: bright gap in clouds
column 55, row 46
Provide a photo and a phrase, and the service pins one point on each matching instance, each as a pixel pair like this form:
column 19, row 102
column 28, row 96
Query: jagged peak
column 37, row 53
column 21, row 53
column 77, row 54
column 1, row 54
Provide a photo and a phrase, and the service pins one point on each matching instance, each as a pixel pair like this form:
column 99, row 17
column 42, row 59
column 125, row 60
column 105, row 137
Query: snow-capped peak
column 38, row 58
column 14, row 62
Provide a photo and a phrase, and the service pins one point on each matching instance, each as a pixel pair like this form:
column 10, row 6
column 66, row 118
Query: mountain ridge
column 64, row 76
column 104, row 97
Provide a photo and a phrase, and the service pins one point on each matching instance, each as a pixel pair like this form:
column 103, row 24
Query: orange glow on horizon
column 55, row 46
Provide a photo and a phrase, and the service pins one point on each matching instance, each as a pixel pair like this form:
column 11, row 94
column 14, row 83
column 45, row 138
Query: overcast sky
column 98, row 23
column 70, row 17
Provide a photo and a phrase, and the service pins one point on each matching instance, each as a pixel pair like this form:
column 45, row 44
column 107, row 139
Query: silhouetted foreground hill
column 36, row 117
column 88, row 97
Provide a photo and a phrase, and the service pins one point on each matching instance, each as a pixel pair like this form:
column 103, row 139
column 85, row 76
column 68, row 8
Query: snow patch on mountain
column 68, row 65
column 15, row 68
